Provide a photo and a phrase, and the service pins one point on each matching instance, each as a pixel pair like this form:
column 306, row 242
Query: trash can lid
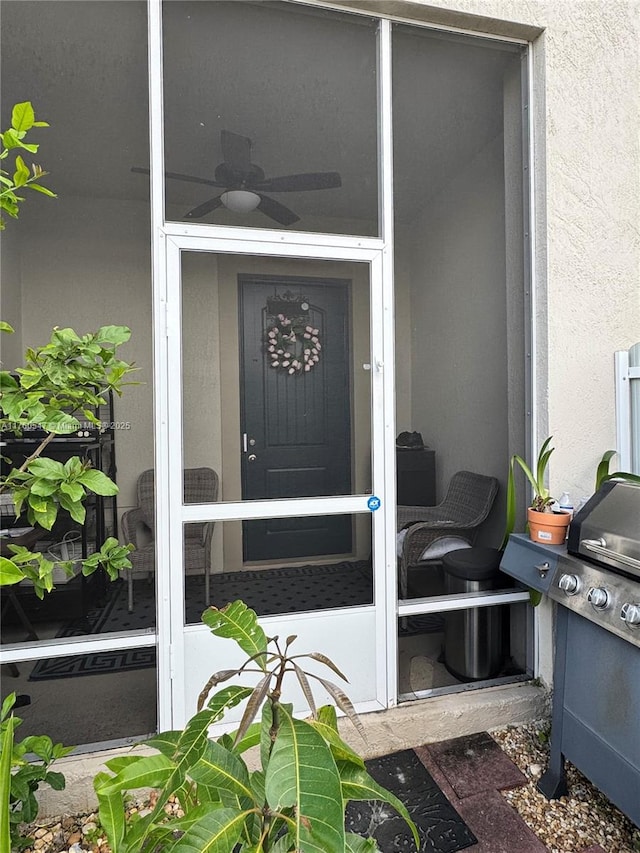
column 473, row 564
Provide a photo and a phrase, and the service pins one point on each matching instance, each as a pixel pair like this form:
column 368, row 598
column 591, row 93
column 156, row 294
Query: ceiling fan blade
column 204, row 208
column 179, row 177
column 306, row 181
column 236, row 151
column 273, row 209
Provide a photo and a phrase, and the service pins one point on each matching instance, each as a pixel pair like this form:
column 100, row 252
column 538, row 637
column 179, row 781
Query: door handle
column 251, row 457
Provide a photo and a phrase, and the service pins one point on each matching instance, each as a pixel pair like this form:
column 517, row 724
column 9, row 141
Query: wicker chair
column 467, row 504
column 200, row 486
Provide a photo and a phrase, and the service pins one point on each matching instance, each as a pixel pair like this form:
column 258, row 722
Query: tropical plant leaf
column 602, row 471
column 303, row 775
column 238, row 622
column 216, row 678
column 357, row 844
column 250, row 739
column 164, row 742
column 9, row 572
column 227, row 698
column 5, row 784
column 624, row 475
column 111, row 811
column 150, row 771
column 254, row 704
column 303, row 681
column 327, row 662
column 216, row 831
column 357, row 784
column 344, row 703
column 339, row 749
column 221, row 769
column 98, row 482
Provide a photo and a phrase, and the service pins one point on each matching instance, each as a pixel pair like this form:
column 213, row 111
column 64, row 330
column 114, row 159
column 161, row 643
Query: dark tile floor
column 471, row 771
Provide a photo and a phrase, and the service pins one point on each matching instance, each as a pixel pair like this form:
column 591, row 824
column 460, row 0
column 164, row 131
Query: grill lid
column 607, row 529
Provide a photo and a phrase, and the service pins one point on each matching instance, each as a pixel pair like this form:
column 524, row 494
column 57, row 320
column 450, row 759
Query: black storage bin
column 473, row 645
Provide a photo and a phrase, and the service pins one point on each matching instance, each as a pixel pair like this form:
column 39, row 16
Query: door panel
column 297, row 421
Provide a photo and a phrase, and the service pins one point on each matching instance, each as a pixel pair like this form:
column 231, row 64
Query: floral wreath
column 293, row 345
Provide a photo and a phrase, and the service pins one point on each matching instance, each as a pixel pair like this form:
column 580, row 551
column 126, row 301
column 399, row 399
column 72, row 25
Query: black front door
column 295, row 380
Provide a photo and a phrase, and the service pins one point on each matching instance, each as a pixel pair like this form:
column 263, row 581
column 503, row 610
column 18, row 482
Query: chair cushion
column 442, row 546
column 436, row 549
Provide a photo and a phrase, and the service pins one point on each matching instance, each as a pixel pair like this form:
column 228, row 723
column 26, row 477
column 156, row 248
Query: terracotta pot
column 550, row 528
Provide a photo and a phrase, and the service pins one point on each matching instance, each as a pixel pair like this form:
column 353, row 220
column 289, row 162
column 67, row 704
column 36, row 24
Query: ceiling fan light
column 240, row 201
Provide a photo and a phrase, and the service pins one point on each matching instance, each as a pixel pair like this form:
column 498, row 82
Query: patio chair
column 432, row 531
column 200, row 486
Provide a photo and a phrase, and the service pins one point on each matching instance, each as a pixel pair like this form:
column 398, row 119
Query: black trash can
column 473, row 646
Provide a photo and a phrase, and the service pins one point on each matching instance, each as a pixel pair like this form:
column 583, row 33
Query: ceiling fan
column 244, row 183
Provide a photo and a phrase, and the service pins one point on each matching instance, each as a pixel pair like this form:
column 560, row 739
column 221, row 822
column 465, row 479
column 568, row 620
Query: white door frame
column 170, row 534
column 169, row 240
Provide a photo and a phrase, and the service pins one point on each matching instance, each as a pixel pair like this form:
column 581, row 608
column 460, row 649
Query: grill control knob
column 598, row 598
column 570, row 584
column 630, row 614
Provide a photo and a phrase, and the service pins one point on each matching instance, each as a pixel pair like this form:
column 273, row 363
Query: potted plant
column 546, row 525
column 295, row 801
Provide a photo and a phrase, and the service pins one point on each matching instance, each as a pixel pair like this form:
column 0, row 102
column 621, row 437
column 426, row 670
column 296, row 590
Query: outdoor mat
column 270, row 591
column 440, row 827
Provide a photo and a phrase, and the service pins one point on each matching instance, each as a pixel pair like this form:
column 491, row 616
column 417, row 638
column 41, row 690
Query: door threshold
column 464, row 688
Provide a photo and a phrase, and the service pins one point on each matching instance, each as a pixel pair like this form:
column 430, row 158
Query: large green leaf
column 165, row 742
column 98, row 482
column 150, row 771
column 339, row 749
column 112, row 335
column 238, row 622
column 9, row 572
column 5, row 784
column 217, row 831
column 357, row 784
column 227, row 698
column 303, row 775
column 47, row 469
column 111, row 811
column 22, row 116
column 217, row 767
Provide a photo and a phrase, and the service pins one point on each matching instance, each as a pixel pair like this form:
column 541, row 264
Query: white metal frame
column 248, row 242
column 169, row 240
column 627, row 388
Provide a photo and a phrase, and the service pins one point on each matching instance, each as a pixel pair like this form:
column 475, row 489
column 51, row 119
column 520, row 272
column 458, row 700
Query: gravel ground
column 571, row 824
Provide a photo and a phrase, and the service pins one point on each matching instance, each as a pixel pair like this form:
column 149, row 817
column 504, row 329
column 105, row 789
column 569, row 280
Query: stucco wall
column 458, row 325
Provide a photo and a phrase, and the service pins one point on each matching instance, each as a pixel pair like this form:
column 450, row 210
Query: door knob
column 251, row 457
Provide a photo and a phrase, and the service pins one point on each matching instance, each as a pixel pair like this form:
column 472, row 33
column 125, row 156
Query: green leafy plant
column 60, row 381
column 24, row 765
column 295, row 801
column 602, row 471
column 22, row 121
column 542, row 499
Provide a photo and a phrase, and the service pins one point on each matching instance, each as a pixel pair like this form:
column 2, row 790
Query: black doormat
column 270, row 591
column 440, row 827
